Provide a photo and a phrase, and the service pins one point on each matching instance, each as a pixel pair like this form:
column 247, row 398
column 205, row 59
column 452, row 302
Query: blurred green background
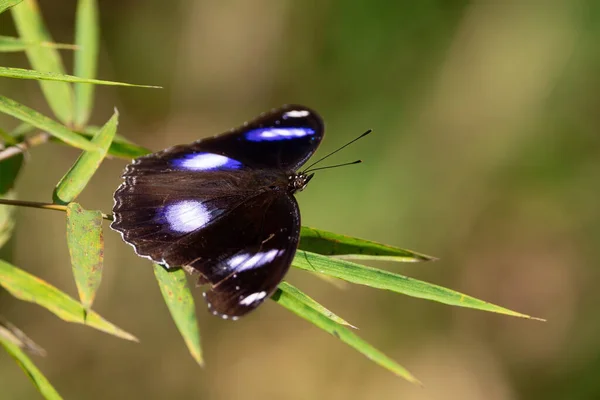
column 486, row 153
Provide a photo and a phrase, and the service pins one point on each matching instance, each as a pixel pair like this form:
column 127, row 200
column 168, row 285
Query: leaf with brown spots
column 86, row 247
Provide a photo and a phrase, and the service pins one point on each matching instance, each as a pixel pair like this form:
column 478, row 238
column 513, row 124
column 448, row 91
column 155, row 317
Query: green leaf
column 6, row 4
column 7, row 218
column 7, row 139
column 36, row 376
column 9, row 169
column 12, row 44
column 301, row 297
column 86, row 247
column 381, row 279
column 11, row 333
column 341, row 332
column 347, row 247
column 75, row 180
column 174, row 288
column 44, row 123
column 20, row 73
column 29, row 288
column 86, row 36
column 31, row 28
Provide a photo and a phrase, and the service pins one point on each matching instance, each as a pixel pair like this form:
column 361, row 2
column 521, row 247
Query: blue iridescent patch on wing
column 205, row 162
column 278, row 133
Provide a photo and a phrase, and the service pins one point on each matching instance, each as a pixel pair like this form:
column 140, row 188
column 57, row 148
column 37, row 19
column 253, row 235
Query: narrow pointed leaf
column 12, row 44
column 37, row 378
column 11, row 333
column 86, row 36
column 20, row 73
column 31, row 28
column 29, row 288
column 298, row 295
column 176, row 292
column 347, row 247
column 7, row 218
column 381, row 279
column 86, row 247
column 341, row 332
column 6, row 139
column 40, row 121
column 9, row 169
column 6, row 4
column 75, row 180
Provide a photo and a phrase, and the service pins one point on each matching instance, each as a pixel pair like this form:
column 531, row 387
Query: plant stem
column 45, row 206
column 35, row 140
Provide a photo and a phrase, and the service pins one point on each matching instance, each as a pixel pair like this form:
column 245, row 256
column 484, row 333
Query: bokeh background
column 486, row 154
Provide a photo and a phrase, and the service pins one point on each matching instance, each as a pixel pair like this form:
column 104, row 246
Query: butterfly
column 224, row 207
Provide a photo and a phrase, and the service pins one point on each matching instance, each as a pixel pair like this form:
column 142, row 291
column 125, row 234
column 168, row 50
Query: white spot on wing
column 297, row 113
column 205, row 162
column 268, row 134
column 253, row 298
column 244, row 261
column 186, row 216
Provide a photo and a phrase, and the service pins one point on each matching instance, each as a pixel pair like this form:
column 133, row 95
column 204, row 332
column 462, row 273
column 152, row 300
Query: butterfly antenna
column 332, row 166
column 335, row 151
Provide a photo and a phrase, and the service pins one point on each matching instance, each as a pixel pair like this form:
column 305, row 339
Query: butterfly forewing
column 222, row 206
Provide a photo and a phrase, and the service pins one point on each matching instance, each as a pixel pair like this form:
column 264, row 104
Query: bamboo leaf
column 11, row 333
column 86, row 247
column 20, row 73
column 381, row 279
column 7, row 218
column 75, row 180
column 347, row 247
column 174, row 288
column 12, row 44
column 31, row 28
column 6, row 4
column 86, row 36
column 37, row 378
column 341, row 332
column 26, row 114
column 301, row 297
column 29, row 288
column 9, row 169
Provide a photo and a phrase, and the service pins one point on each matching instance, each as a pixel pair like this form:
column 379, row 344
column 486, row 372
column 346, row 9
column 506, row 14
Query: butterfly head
column 299, row 181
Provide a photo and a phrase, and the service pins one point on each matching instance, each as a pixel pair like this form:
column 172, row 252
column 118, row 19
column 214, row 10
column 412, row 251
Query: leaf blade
column 30, row 25
column 40, row 121
column 13, row 334
column 9, row 44
column 381, row 279
column 86, row 247
column 21, row 73
column 303, row 298
column 78, row 176
column 178, row 298
column 27, row 287
column 347, row 247
column 6, row 4
column 87, row 31
column 343, row 333
column 37, row 378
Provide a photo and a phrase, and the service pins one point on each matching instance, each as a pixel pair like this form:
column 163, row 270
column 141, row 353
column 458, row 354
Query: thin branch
column 26, row 144
column 44, row 206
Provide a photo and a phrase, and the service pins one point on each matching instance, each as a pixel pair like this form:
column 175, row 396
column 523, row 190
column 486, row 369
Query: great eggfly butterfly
column 224, row 206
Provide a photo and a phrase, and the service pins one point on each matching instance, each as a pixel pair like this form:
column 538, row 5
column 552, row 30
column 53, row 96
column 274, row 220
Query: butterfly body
column 223, row 207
